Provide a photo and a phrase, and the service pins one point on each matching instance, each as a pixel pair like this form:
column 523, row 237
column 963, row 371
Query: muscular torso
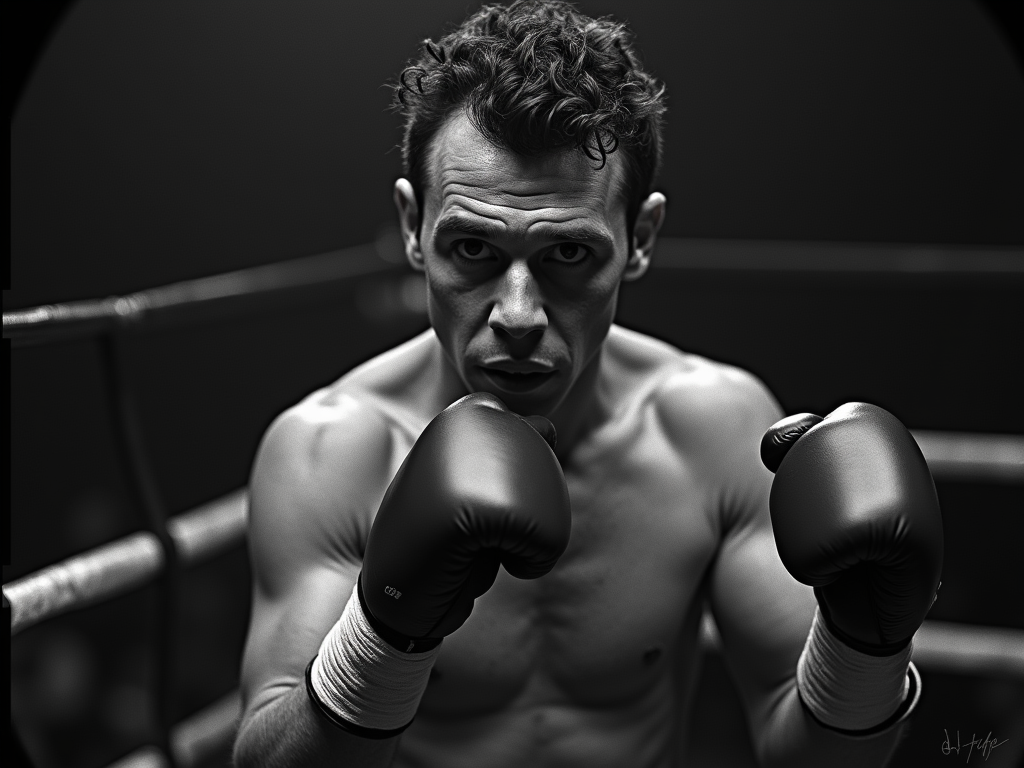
column 585, row 666
column 592, row 664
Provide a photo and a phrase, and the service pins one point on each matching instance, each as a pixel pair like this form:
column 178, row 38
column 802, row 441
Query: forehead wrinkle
column 490, row 204
column 568, row 222
column 576, row 227
column 554, row 186
column 527, row 216
column 550, row 172
column 538, row 201
column 465, row 165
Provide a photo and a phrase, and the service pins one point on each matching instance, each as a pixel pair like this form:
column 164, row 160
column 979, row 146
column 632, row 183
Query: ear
column 409, row 222
column 645, row 234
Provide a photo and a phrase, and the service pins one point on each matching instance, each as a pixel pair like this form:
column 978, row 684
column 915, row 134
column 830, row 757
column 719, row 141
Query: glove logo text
column 392, row 592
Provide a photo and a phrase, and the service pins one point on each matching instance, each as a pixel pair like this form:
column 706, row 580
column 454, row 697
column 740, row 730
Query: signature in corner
column 985, row 745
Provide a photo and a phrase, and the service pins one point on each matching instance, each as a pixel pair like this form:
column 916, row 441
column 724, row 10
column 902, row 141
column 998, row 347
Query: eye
column 569, row 253
column 473, row 249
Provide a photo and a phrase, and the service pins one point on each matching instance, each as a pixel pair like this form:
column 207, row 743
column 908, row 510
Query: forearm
column 289, row 732
column 792, row 739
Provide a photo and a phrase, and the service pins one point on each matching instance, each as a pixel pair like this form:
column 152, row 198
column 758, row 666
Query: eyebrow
column 458, row 225
column 453, row 224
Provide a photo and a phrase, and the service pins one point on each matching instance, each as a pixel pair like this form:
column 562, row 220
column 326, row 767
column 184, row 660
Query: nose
column 518, row 307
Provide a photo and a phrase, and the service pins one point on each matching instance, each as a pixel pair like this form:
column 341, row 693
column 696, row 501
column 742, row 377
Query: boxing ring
column 165, row 546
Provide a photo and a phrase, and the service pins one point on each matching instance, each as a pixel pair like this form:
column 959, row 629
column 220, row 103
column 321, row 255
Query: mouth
column 518, row 383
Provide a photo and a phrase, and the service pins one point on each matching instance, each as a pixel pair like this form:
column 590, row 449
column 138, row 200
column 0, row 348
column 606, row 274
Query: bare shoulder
column 320, row 472
column 714, row 401
column 713, row 415
column 704, row 407
column 324, row 464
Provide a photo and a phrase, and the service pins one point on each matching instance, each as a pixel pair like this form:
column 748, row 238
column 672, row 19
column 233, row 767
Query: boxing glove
column 481, row 487
column 856, row 516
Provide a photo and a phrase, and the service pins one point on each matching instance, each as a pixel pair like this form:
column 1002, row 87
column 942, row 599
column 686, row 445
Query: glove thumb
column 781, row 435
column 544, row 427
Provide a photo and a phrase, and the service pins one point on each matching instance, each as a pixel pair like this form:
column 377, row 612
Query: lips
column 518, row 382
column 517, row 366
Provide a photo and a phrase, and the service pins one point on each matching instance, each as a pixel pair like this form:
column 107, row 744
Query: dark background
column 157, row 141
column 161, row 141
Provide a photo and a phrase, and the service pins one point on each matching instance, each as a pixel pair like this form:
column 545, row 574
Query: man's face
column 523, row 259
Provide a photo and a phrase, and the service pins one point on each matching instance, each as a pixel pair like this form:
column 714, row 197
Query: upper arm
column 318, row 477
column 763, row 614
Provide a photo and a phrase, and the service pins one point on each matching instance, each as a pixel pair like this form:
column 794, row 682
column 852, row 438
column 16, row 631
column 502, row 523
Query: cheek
column 587, row 317
column 451, row 306
column 600, row 295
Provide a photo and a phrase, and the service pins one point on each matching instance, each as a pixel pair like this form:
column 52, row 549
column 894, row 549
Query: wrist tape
column 361, row 683
column 853, row 692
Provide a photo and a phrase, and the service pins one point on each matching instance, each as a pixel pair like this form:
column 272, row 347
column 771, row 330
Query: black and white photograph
column 516, row 384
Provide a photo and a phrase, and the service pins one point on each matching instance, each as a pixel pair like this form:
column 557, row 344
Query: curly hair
column 535, row 77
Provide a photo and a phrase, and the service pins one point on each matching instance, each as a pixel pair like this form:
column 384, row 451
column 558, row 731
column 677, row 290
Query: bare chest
column 613, row 617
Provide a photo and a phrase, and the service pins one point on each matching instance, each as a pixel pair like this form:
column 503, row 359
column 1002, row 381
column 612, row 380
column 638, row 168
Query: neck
column 450, row 385
column 584, row 408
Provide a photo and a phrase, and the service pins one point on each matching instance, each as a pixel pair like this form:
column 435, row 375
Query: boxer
column 492, row 544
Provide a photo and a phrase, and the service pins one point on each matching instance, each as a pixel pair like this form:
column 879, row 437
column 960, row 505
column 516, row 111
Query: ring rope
column 192, row 300
column 104, row 572
column 942, row 646
column 205, row 531
column 809, row 257
column 975, row 457
column 114, row 568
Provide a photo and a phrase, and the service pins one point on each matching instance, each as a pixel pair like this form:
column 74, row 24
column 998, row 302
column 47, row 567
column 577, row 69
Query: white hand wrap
column 363, row 680
column 849, row 690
